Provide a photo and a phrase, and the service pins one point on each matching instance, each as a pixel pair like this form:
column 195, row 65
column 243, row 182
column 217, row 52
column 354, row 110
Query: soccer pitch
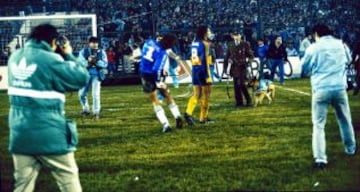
column 264, row 148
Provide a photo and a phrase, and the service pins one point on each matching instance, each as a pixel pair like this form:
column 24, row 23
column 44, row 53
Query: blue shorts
column 199, row 77
column 148, row 82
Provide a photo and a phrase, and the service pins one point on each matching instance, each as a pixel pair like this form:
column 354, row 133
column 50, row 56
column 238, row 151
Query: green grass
column 267, row 148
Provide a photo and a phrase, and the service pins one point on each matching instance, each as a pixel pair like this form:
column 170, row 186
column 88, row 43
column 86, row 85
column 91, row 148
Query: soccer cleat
column 179, row 123
column 166, row 129
column 189, row 119
column 207, row 121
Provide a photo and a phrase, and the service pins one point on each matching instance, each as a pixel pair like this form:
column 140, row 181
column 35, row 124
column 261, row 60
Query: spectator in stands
column 112, row 64
column 120, row 24
column 290, row 50
column 305, row 43
column 326, row 62
column 127, row 51
column 284, row 16
column 277, row 56
column 356, row 62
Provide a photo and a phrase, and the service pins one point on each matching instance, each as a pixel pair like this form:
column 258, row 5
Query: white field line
column 294, row 90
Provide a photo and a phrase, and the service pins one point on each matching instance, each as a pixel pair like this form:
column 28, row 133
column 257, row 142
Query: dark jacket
column 239, row 55
column 277, row 52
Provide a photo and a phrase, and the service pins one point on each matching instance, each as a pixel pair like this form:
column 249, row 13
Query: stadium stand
column 132, row 21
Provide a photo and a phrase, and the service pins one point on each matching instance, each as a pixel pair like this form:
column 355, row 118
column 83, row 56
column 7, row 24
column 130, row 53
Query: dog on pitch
column 262, row 88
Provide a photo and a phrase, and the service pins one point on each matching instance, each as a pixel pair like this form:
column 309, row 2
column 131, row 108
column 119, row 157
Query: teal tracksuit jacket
column 38, row 80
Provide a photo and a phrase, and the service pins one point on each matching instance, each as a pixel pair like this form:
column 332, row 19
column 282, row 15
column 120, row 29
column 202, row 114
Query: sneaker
column 351, row 152
column 166, row 129
column 179, row 123
column 189, row 119
column 96, row 117
column 85, row 113
column 320, row 165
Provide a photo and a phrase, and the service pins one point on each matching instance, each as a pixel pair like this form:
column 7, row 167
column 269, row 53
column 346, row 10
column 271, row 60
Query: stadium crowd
column 132, row 21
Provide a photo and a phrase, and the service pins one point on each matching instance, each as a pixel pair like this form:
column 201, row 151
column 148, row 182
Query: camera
column 93, row 57
column 61, row 41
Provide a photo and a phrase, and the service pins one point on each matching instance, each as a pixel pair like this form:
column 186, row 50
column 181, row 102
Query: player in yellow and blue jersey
column 201, row 76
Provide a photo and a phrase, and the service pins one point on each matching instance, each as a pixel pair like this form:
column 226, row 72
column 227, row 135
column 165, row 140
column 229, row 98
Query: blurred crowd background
column 123, row 25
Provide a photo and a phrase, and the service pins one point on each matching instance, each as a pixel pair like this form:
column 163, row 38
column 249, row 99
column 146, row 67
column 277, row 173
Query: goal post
column 14, row 31
column 78, row 28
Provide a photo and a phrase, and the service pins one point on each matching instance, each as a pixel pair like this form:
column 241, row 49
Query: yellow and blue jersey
column 201, row 60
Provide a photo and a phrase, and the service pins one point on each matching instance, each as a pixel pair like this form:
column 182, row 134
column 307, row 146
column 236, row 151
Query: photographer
column 96, row 62
column 39, row 132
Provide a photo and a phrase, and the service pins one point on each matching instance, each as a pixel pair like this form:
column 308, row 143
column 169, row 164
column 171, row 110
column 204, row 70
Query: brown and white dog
column 262, row 88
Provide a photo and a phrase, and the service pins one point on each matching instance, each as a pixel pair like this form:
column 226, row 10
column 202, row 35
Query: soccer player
column 153, row 58
column 201, row 76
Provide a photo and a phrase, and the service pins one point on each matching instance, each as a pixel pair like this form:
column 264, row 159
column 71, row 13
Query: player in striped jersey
column 153, row 59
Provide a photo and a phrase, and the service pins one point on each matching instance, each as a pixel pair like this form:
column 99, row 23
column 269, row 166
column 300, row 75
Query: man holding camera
column 40, row 135
column 96, row 62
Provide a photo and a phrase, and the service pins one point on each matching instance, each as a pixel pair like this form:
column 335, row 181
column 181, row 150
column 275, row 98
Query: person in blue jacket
column 326, row 61
column 261, row 52
column 96, row 61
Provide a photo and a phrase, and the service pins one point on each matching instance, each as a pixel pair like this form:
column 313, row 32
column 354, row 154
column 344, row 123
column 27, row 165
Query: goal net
column 15, row 30
column 78, row 28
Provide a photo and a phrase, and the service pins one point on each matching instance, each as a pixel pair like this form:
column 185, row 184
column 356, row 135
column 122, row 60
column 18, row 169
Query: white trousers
column 63, row 168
